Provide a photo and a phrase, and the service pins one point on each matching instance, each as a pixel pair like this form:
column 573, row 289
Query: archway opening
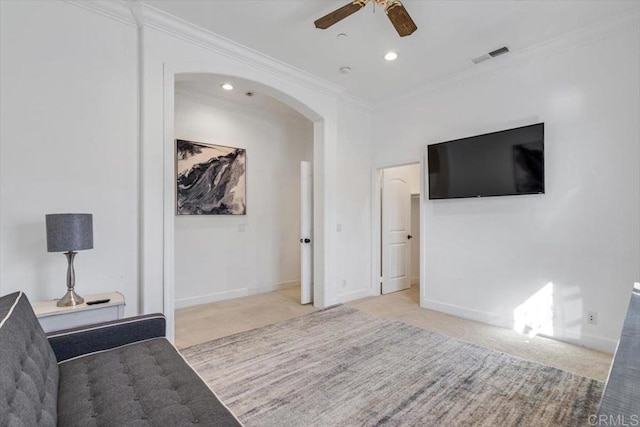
column 270, row 98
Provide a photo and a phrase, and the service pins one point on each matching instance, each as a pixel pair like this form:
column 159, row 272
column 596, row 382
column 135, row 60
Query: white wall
column 221, row 257
column 487, row 257
column 68, row 143
column 353, row 260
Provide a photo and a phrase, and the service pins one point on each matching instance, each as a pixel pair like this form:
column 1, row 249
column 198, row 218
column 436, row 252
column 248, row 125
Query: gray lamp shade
column 69, row 232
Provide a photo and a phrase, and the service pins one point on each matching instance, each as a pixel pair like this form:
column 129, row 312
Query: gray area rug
column 343, row 367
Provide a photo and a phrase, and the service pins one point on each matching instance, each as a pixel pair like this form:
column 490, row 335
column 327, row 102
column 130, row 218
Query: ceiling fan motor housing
column 394, row 9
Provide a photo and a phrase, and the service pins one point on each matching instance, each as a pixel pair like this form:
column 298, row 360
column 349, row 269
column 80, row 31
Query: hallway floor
column 206, row 322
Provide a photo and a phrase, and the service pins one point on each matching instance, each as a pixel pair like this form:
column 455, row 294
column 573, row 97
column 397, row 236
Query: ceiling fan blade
column 400, row 19
column 339, row 14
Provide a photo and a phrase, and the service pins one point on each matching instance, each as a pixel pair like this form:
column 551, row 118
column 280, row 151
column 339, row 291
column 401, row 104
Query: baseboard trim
column 274, row 287
column 606, row 345
column 233, row 293
column 466, row 313
column 213, row 297
column 350, row 296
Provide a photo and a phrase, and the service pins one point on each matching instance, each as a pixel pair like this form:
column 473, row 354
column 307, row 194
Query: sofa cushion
column 145, row 383
column 28, row 367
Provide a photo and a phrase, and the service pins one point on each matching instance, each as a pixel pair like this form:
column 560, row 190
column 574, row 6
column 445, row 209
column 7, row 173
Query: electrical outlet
column 592, row 317
column 344, row 283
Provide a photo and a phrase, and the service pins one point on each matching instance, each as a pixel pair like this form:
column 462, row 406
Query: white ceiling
column 450, row 33
column 208, row 87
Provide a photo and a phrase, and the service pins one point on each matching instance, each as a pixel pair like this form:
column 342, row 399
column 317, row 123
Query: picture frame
column 210, row 179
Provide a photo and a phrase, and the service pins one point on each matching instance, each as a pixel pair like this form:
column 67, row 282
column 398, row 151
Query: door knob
column 305, row 240
column 409, row 236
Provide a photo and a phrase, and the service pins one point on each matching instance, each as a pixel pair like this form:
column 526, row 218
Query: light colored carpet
column 404, row 306
column 343, row 367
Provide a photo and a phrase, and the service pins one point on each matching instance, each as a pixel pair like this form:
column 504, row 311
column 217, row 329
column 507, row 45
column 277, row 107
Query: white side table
column 54, row 318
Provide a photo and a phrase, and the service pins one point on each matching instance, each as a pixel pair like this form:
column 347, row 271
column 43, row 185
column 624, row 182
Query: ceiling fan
column 394, row 9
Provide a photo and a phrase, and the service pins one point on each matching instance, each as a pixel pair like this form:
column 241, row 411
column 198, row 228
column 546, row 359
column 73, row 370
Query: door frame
column 306, row 298
column 376, row 224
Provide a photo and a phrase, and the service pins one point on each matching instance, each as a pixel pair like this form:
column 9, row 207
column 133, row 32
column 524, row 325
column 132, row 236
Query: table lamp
column 69, row 233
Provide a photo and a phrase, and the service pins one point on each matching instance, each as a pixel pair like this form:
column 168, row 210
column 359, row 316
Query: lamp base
column 70, row 299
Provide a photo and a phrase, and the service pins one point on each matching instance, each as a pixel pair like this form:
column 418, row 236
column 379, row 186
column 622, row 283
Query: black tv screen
column 502, row 163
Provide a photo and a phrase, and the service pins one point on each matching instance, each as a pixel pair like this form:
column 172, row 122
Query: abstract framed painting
column 210, row 179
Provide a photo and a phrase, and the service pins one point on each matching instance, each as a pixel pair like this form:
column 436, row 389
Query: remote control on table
column 98, row 301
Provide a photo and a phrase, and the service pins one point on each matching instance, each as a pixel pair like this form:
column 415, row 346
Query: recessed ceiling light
column 226, row 86
column 391, row 56
column 342, row 36
column 345, row 70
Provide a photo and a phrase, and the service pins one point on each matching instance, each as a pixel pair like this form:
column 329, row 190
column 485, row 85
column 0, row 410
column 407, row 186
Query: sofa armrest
column 621, row 394
column 75, row 342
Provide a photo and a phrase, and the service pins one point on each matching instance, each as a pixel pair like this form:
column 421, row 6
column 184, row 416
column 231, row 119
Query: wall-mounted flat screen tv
column 504, row 163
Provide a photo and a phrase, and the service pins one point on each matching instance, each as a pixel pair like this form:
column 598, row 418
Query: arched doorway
column 317, row 107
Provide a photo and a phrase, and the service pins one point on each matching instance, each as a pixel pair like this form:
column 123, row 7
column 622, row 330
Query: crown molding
column 117, row 10
column 120, row 10
column 176, row 27
column 150, row 17
column 581, row 37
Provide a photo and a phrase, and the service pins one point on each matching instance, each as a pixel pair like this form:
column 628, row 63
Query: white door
column 306, row 233
column 396, row 229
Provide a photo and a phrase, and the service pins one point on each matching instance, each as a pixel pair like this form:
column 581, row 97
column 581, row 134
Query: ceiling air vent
column 499, row 52
column 492, row 54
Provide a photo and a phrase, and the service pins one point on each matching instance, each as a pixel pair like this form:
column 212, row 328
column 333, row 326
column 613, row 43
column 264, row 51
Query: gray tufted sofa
column 122, row 373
